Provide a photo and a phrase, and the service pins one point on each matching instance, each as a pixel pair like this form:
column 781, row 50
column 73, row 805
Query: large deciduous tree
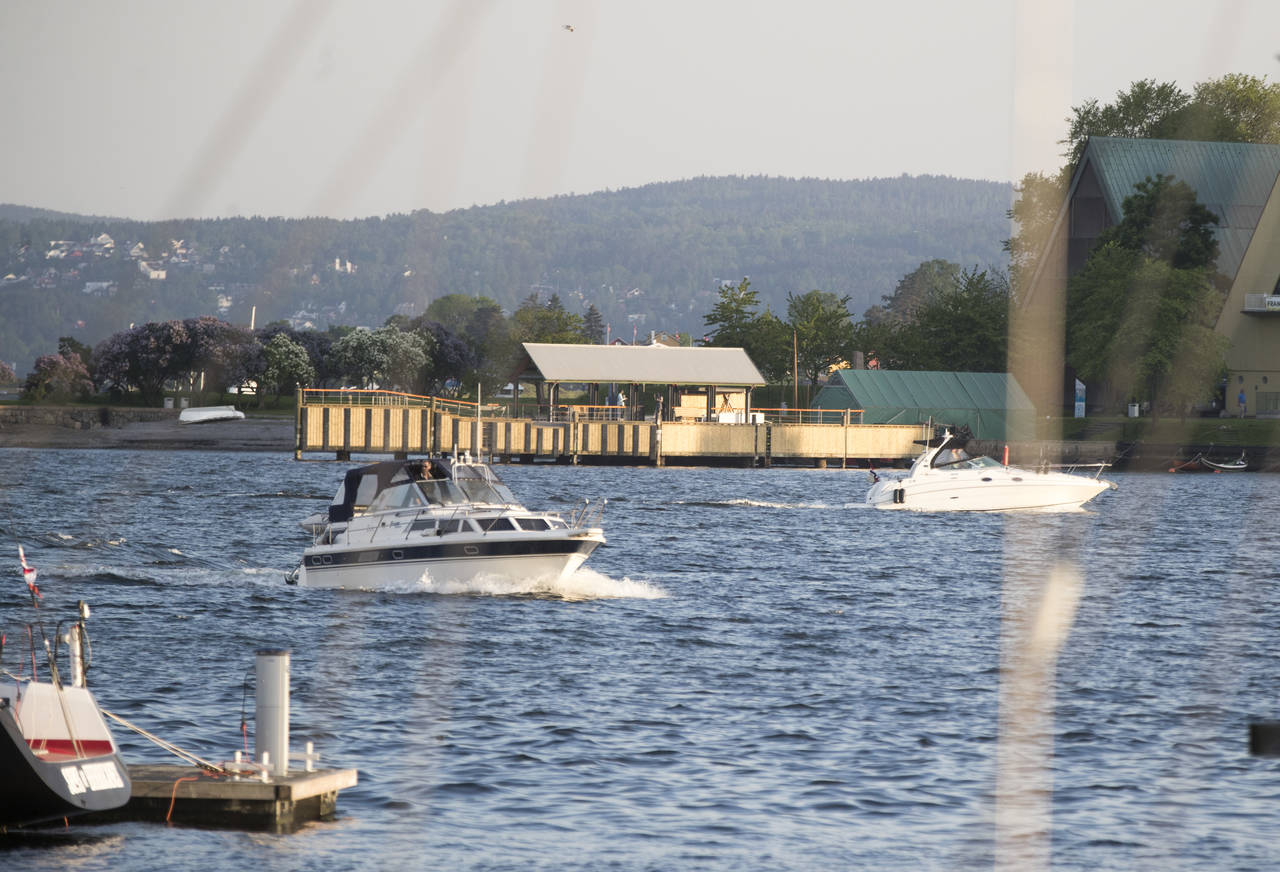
column 288, row 366
column 547, row 322
column 820, row 322
column 143, row 358
column 58, row 379
column 962, row 324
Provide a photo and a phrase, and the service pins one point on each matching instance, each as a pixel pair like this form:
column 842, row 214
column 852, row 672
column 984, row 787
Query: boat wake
column 752, row 504
column 585, row 584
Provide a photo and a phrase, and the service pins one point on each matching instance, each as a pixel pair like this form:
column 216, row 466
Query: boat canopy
column 442, row 481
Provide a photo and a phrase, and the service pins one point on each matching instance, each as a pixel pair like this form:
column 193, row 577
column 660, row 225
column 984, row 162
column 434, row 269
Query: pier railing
column 345, row 422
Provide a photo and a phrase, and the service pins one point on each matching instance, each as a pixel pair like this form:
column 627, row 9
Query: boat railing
column 587, row 515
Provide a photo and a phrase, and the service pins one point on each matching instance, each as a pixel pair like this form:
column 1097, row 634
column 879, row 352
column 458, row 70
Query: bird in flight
column 569, row 27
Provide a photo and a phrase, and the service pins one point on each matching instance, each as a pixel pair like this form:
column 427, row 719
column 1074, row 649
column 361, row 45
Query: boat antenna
column 29, row 576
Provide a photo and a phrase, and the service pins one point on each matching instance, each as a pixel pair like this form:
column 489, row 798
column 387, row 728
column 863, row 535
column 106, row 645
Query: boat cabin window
column 455, row 526
column 531, row 523
column 490, row 524
column 398, row 496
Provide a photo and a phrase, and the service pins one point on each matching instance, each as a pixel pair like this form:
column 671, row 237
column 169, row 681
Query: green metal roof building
column 1232, row 179
column 990, row 403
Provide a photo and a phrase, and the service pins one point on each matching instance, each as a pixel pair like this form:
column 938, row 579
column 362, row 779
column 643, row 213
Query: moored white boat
column 57, row 756
column 440, row 521
column 946, row 478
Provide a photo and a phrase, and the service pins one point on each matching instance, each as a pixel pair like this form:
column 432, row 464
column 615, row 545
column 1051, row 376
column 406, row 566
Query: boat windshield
column 481, row 491
column 398, row 496
column 957, row 458
column 442, row 492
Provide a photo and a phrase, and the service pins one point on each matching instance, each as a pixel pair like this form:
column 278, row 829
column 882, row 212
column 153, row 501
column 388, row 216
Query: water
column 756, row 673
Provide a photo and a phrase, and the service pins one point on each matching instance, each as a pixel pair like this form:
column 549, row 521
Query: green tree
column 914, row 290
column 1140, row 314
column 1040, row 199
column 962, row 325
column 593, row 325
column 1142, row 112
column 1163, row 220
column 820, row 321
column 732, row 319
column 359, row 357
column 549, row 322
column 7, row 375
column 966, row 327
column 288, row 366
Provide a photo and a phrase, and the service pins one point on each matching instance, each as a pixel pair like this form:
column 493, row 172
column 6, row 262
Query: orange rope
column 173, row 797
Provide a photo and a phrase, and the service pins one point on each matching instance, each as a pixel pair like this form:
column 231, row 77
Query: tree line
column 651, row 256
column 459, row 344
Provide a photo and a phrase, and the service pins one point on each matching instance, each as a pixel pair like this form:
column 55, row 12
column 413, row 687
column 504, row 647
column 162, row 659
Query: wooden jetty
column 383, row 422
column 191, row 796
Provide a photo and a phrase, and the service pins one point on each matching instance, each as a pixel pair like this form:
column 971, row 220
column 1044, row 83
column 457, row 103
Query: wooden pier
column 378, row 422
column 190, row 796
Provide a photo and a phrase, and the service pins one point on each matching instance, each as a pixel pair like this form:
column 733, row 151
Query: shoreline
column 248, row 434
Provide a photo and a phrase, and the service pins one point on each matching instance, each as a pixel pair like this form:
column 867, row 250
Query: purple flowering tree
column 143, row 358
column 58, row 379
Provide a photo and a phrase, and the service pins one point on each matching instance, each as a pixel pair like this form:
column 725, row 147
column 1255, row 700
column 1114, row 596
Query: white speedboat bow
column 397, row 524
column 946, row 478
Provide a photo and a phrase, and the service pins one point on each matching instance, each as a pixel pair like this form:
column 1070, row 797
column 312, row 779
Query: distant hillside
column 648, row 258
column 14, row 212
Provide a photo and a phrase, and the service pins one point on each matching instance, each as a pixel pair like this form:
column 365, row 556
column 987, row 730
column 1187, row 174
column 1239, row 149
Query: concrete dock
column 190, row 796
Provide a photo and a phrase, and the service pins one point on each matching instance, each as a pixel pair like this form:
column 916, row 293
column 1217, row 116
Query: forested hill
column 648, row 258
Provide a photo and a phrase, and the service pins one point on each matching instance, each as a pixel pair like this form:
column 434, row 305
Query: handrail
column 378, row 397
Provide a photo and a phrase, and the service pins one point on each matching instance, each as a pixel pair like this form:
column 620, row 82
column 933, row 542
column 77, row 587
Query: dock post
column 271, row 709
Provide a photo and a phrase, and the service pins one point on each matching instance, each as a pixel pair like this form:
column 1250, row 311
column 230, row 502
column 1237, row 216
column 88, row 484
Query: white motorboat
column 398, row 524
column 57, row 756
column 946, row 478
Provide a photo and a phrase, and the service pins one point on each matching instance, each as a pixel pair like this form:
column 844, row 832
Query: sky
column 351, row 108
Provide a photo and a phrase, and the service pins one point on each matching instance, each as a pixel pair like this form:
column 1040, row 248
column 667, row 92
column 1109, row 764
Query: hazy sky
column 349, row 108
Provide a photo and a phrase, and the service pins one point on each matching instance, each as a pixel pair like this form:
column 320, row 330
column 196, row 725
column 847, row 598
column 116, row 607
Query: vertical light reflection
column 1036, row 623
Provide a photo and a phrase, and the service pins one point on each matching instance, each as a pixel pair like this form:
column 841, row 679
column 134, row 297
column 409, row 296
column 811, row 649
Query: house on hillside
column 1240, row 183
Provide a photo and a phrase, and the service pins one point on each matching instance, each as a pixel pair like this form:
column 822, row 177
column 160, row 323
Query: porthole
column 327, row 559
column 397, row 555
column 470, row 550
column 315, row 560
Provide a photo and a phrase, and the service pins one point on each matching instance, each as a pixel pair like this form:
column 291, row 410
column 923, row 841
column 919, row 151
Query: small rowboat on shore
column 204, row 414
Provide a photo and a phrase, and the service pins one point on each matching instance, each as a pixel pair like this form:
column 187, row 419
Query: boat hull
column 1027, row 492
column 39, row 788
column 379, row 567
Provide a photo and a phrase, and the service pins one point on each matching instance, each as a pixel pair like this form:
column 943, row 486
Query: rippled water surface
column 755, row 673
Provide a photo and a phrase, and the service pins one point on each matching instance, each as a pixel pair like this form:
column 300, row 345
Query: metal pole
column 271, row 707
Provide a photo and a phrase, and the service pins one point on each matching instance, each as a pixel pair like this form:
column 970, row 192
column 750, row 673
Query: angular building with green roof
column 1239, row 183
column 991, row 404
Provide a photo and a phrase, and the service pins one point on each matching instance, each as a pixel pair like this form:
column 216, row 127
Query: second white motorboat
column 946, row 478
column 397, row 524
